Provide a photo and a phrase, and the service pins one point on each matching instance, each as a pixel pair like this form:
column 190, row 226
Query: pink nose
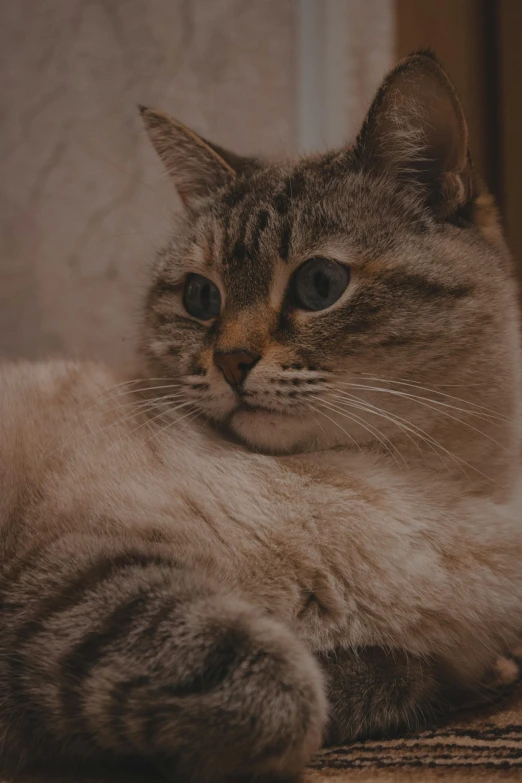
column 235, row 365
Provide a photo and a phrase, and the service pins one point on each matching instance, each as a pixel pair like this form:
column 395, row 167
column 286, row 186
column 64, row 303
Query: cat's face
column 292, row 293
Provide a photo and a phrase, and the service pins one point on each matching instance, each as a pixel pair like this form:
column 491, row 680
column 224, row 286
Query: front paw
column 248, row 703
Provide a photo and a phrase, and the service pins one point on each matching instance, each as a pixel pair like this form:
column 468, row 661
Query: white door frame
column 344, row 49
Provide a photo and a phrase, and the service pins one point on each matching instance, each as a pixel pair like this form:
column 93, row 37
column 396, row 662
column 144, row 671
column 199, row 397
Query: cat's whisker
column 189, row 422
column 141, row 407
column 426, row 403
column 358, row 402
column 408, row 395
column 148, row 388
column 144, row 390
column 148, row 421
column 136, row 404
column 411, row 424
column 408, row 427
column 140, row 401
column 147, row 385
column 336, row 423
column 369, row 427
column 482, row 409
column 175, row 421
column 107, row 393
column 436, row 390
column 402, row 424
column 493, row 418
column 46, row 453
column 386, row 443
column 119, row 390
column 428, row 438
column 321, row 428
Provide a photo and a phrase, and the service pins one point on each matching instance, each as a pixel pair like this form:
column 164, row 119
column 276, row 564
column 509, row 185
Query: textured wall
column 83, row 201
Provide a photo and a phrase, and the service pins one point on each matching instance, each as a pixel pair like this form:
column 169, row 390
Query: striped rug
column 481, row 745
column 484, row 744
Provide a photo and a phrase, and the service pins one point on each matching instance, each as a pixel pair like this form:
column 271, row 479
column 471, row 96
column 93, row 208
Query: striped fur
column 121, row 652
column 189, row 572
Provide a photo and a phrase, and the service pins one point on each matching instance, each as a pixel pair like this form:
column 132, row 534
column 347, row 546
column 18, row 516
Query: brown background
column 480, row 44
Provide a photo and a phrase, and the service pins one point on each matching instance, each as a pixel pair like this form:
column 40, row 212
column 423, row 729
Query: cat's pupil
column 201, row 297
column 322, row 284
column 319, row 282
column 205, row 297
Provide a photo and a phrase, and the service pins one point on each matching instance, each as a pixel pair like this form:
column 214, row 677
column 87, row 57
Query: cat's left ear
column 416, row 130
column 197, row 167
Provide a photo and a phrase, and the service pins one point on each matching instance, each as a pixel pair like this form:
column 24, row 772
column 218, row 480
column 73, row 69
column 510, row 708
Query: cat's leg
column 374, row 692
column 110, row 651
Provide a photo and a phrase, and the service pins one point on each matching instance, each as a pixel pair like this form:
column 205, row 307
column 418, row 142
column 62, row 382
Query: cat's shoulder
column 34, row 392
column 48, row 377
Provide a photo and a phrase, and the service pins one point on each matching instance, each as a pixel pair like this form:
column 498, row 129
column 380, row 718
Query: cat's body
column 163, row 585
column 301, row 534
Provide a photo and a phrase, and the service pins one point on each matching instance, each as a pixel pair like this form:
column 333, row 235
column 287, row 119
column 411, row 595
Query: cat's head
column 297, row 298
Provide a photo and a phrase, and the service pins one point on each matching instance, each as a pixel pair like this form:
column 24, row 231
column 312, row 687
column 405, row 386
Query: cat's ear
column 197, row 167
column 416, row 129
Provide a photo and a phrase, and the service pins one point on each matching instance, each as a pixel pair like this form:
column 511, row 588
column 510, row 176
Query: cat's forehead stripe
column 261, row 222
column 257, row 235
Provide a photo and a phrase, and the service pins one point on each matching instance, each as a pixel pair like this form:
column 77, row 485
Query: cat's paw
column 245, row 698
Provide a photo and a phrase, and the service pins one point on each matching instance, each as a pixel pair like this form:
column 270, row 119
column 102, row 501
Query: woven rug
column 485, row 745
column 482, row 745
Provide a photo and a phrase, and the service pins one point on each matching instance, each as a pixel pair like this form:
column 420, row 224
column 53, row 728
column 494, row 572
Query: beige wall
column 83, row 203
column 83, row 200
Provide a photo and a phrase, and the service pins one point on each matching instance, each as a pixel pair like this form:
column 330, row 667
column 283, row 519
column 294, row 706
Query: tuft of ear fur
column 416, row 129
column 197, row 167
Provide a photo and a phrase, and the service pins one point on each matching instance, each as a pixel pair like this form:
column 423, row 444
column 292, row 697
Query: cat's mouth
column 245, row 405
column 271, row 430
column 252, row 407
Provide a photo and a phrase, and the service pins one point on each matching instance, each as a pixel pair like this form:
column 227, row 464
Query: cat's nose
column 235, row 365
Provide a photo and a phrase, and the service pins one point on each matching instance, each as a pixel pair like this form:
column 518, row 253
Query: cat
column 301, row 518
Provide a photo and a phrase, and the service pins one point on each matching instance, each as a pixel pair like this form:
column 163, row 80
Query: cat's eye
column 319, row 282
column 201, row 297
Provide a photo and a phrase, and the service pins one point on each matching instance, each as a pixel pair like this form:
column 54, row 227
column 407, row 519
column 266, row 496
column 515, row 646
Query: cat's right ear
column 416, row 129
column 197, row 167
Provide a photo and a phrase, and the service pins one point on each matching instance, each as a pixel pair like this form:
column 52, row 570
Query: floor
column 484, row 745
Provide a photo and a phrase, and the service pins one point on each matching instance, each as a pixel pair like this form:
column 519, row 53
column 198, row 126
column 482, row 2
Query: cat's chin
column 269, row 431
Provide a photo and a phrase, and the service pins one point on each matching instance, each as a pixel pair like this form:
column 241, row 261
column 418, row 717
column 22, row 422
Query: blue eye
column 319, row 282
column 201, row 298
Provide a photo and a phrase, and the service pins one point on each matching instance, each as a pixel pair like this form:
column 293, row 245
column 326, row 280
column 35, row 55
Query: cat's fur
column 171, row 593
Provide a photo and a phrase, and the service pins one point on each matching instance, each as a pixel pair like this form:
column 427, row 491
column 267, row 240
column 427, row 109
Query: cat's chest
column 301, row 536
